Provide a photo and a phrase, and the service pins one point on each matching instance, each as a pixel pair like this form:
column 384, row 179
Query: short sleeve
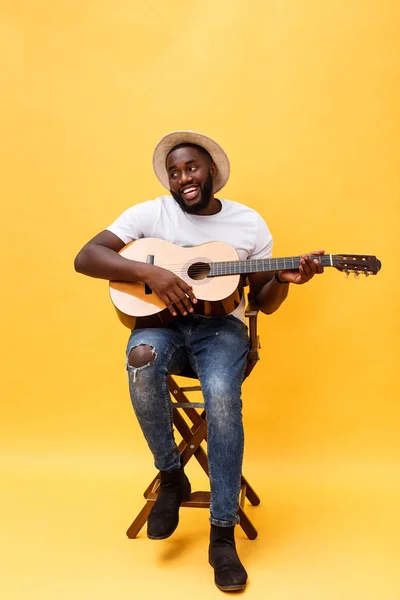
column 130, row 225
column 264, row 241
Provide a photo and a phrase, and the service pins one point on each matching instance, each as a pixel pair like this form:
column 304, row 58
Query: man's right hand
column 173, row 291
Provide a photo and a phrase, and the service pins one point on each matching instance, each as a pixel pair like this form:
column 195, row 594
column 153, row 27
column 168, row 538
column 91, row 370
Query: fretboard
column 237, row 267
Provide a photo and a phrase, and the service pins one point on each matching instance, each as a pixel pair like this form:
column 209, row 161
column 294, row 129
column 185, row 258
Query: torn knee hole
column 142, row 355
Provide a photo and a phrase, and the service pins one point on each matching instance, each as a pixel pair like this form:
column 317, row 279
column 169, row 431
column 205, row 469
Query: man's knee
column 141, row 356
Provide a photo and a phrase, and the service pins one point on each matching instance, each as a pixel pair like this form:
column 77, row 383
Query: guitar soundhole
column 199, row 270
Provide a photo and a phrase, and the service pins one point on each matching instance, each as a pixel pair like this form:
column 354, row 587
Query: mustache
column 186, row 187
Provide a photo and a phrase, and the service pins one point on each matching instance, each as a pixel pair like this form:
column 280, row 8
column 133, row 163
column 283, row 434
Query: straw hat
column 174, row 138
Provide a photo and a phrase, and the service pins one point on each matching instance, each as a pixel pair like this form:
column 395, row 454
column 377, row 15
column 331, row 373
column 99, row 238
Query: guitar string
column 216, row 271
column 236, row 266
column 229, row 264
column 184, row 272
column 224, row 271
column 235, row 262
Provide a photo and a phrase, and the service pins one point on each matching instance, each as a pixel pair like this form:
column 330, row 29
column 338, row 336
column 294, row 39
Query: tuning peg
column 356, row 274
column 366, row 274
column 346, row 273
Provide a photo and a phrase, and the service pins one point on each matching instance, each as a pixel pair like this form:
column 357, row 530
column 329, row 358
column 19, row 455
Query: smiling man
column 196, row 195
column 193, row 167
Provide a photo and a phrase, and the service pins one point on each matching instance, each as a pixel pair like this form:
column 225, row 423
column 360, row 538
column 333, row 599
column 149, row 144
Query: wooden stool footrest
column 198, row 500
column 187, row 404
column 191, row 388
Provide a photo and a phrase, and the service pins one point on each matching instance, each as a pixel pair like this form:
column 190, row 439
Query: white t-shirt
column 235, row 224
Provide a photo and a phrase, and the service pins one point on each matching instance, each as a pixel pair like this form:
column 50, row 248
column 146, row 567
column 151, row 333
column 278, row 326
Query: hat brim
column 191, row 137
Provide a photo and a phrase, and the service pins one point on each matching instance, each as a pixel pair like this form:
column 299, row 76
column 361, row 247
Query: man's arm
column 269, row 292
column 100, row 258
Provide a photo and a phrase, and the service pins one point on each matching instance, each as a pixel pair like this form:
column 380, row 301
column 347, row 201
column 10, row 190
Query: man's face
column 190, row 174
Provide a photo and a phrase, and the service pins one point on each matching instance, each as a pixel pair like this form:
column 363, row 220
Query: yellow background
column 304, row 97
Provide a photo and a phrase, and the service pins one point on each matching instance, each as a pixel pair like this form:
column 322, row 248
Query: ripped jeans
column 215, row 349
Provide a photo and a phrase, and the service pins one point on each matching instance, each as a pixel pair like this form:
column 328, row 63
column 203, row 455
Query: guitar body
column 138, row 307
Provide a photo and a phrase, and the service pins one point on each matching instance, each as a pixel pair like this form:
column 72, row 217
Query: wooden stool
column 192, row 437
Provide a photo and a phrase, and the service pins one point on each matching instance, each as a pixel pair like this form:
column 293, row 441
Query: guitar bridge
column 149, row 261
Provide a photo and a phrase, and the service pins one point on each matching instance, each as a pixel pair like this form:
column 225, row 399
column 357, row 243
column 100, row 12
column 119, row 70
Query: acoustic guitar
column 217, row 284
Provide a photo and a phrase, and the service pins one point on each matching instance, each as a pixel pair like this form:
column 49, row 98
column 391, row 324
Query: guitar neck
column 243, row 267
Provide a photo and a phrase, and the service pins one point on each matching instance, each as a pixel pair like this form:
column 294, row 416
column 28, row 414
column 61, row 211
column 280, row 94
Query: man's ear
column 213, row 169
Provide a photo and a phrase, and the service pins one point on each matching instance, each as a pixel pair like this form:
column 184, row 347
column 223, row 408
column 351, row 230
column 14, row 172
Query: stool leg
column 250, row 493
column 247, row 525
column 140, row 520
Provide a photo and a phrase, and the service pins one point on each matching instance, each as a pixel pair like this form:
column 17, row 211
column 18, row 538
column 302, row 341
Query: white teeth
column 188, row 190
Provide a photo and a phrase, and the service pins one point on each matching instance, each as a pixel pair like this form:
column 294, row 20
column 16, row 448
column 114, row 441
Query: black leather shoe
column 229, row 573
column 164, row 517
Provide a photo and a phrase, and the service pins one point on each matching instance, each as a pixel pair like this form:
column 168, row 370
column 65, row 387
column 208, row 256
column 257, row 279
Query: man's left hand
column 308, row 268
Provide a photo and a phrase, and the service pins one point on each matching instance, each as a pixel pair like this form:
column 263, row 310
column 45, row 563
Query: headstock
column 356, row 263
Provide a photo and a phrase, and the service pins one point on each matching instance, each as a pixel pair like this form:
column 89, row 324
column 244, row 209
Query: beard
column 206, row 196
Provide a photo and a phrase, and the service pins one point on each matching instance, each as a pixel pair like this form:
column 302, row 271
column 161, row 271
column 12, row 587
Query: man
column 193, row 167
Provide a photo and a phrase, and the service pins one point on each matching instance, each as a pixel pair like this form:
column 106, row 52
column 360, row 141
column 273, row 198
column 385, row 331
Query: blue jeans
column 215, row 349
